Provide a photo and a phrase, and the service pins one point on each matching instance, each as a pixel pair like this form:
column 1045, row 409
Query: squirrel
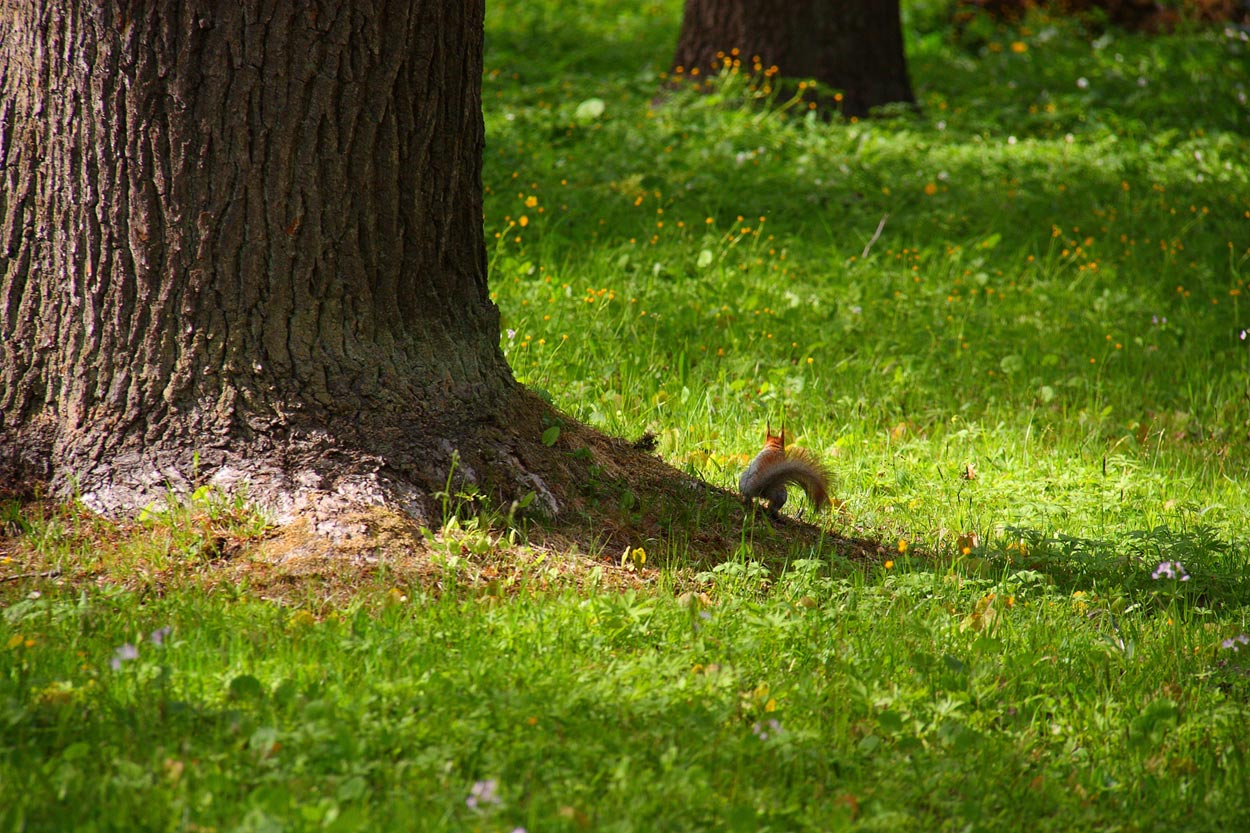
column 773, row 469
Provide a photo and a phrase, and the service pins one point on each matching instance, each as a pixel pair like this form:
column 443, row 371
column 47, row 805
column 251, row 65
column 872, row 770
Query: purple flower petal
column 125, row 653
column 483, row 792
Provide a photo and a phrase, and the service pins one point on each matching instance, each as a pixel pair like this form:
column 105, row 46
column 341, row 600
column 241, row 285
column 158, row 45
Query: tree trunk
column 243, row 242
column 853, row 46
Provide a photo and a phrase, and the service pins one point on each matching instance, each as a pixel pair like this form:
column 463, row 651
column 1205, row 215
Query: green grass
column 910, row 701
column 1056, row 296
column 1055, row 299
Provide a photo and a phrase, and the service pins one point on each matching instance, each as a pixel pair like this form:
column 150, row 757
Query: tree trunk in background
column 243, row 241
column 855, row 46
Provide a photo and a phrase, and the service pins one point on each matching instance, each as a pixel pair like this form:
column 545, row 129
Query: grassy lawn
column 1032, row 385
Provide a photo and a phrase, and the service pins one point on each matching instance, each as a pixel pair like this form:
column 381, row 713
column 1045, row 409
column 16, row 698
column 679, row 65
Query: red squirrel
column 773, row 469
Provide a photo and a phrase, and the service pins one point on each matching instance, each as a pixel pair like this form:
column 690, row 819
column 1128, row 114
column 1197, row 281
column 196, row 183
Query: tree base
column 586, row 491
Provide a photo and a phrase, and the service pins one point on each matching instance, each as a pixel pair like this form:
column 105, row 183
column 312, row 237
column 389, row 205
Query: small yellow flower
column 1019, row 47
column 902, row 545
column 524, row 221
column 531, row 201
column 633, row 557
column 889, row 565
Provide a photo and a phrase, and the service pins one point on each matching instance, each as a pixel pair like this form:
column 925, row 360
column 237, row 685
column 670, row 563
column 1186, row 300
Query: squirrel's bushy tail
column 806, row 471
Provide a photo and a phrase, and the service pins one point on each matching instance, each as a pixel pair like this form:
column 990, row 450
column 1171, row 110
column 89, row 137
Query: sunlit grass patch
column 1032, row 272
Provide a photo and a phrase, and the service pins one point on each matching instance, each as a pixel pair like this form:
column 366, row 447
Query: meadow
column 1011, row 324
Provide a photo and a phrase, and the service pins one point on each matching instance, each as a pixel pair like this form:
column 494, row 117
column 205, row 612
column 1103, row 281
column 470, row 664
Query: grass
column 905, row 700
column 1054, row 298
column 1032, row 385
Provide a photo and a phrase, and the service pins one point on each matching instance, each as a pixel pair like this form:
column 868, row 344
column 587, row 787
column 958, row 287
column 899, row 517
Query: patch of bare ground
column 379, row 555
column 614, row 500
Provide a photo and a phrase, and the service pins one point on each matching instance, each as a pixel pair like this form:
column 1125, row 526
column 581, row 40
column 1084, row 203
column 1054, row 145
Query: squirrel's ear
column 768, row 429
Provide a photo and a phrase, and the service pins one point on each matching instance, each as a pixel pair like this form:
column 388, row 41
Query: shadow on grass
column 544, row 46
column 992, row 138
column 1193, row 569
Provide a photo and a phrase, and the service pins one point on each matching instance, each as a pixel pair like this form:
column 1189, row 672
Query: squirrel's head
column 775, row 441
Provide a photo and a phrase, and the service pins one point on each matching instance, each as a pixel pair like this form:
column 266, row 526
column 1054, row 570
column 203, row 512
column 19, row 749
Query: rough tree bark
column 855, row 46
column 243, row 241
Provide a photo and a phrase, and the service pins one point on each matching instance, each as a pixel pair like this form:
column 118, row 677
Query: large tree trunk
column 855, row 46
column 244, row 241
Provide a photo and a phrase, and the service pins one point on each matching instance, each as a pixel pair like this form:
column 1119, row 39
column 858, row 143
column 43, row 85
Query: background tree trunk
column 244, row 240
column 855, row 46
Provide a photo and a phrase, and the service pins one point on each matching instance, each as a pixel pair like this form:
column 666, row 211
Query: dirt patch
column 521, row 509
